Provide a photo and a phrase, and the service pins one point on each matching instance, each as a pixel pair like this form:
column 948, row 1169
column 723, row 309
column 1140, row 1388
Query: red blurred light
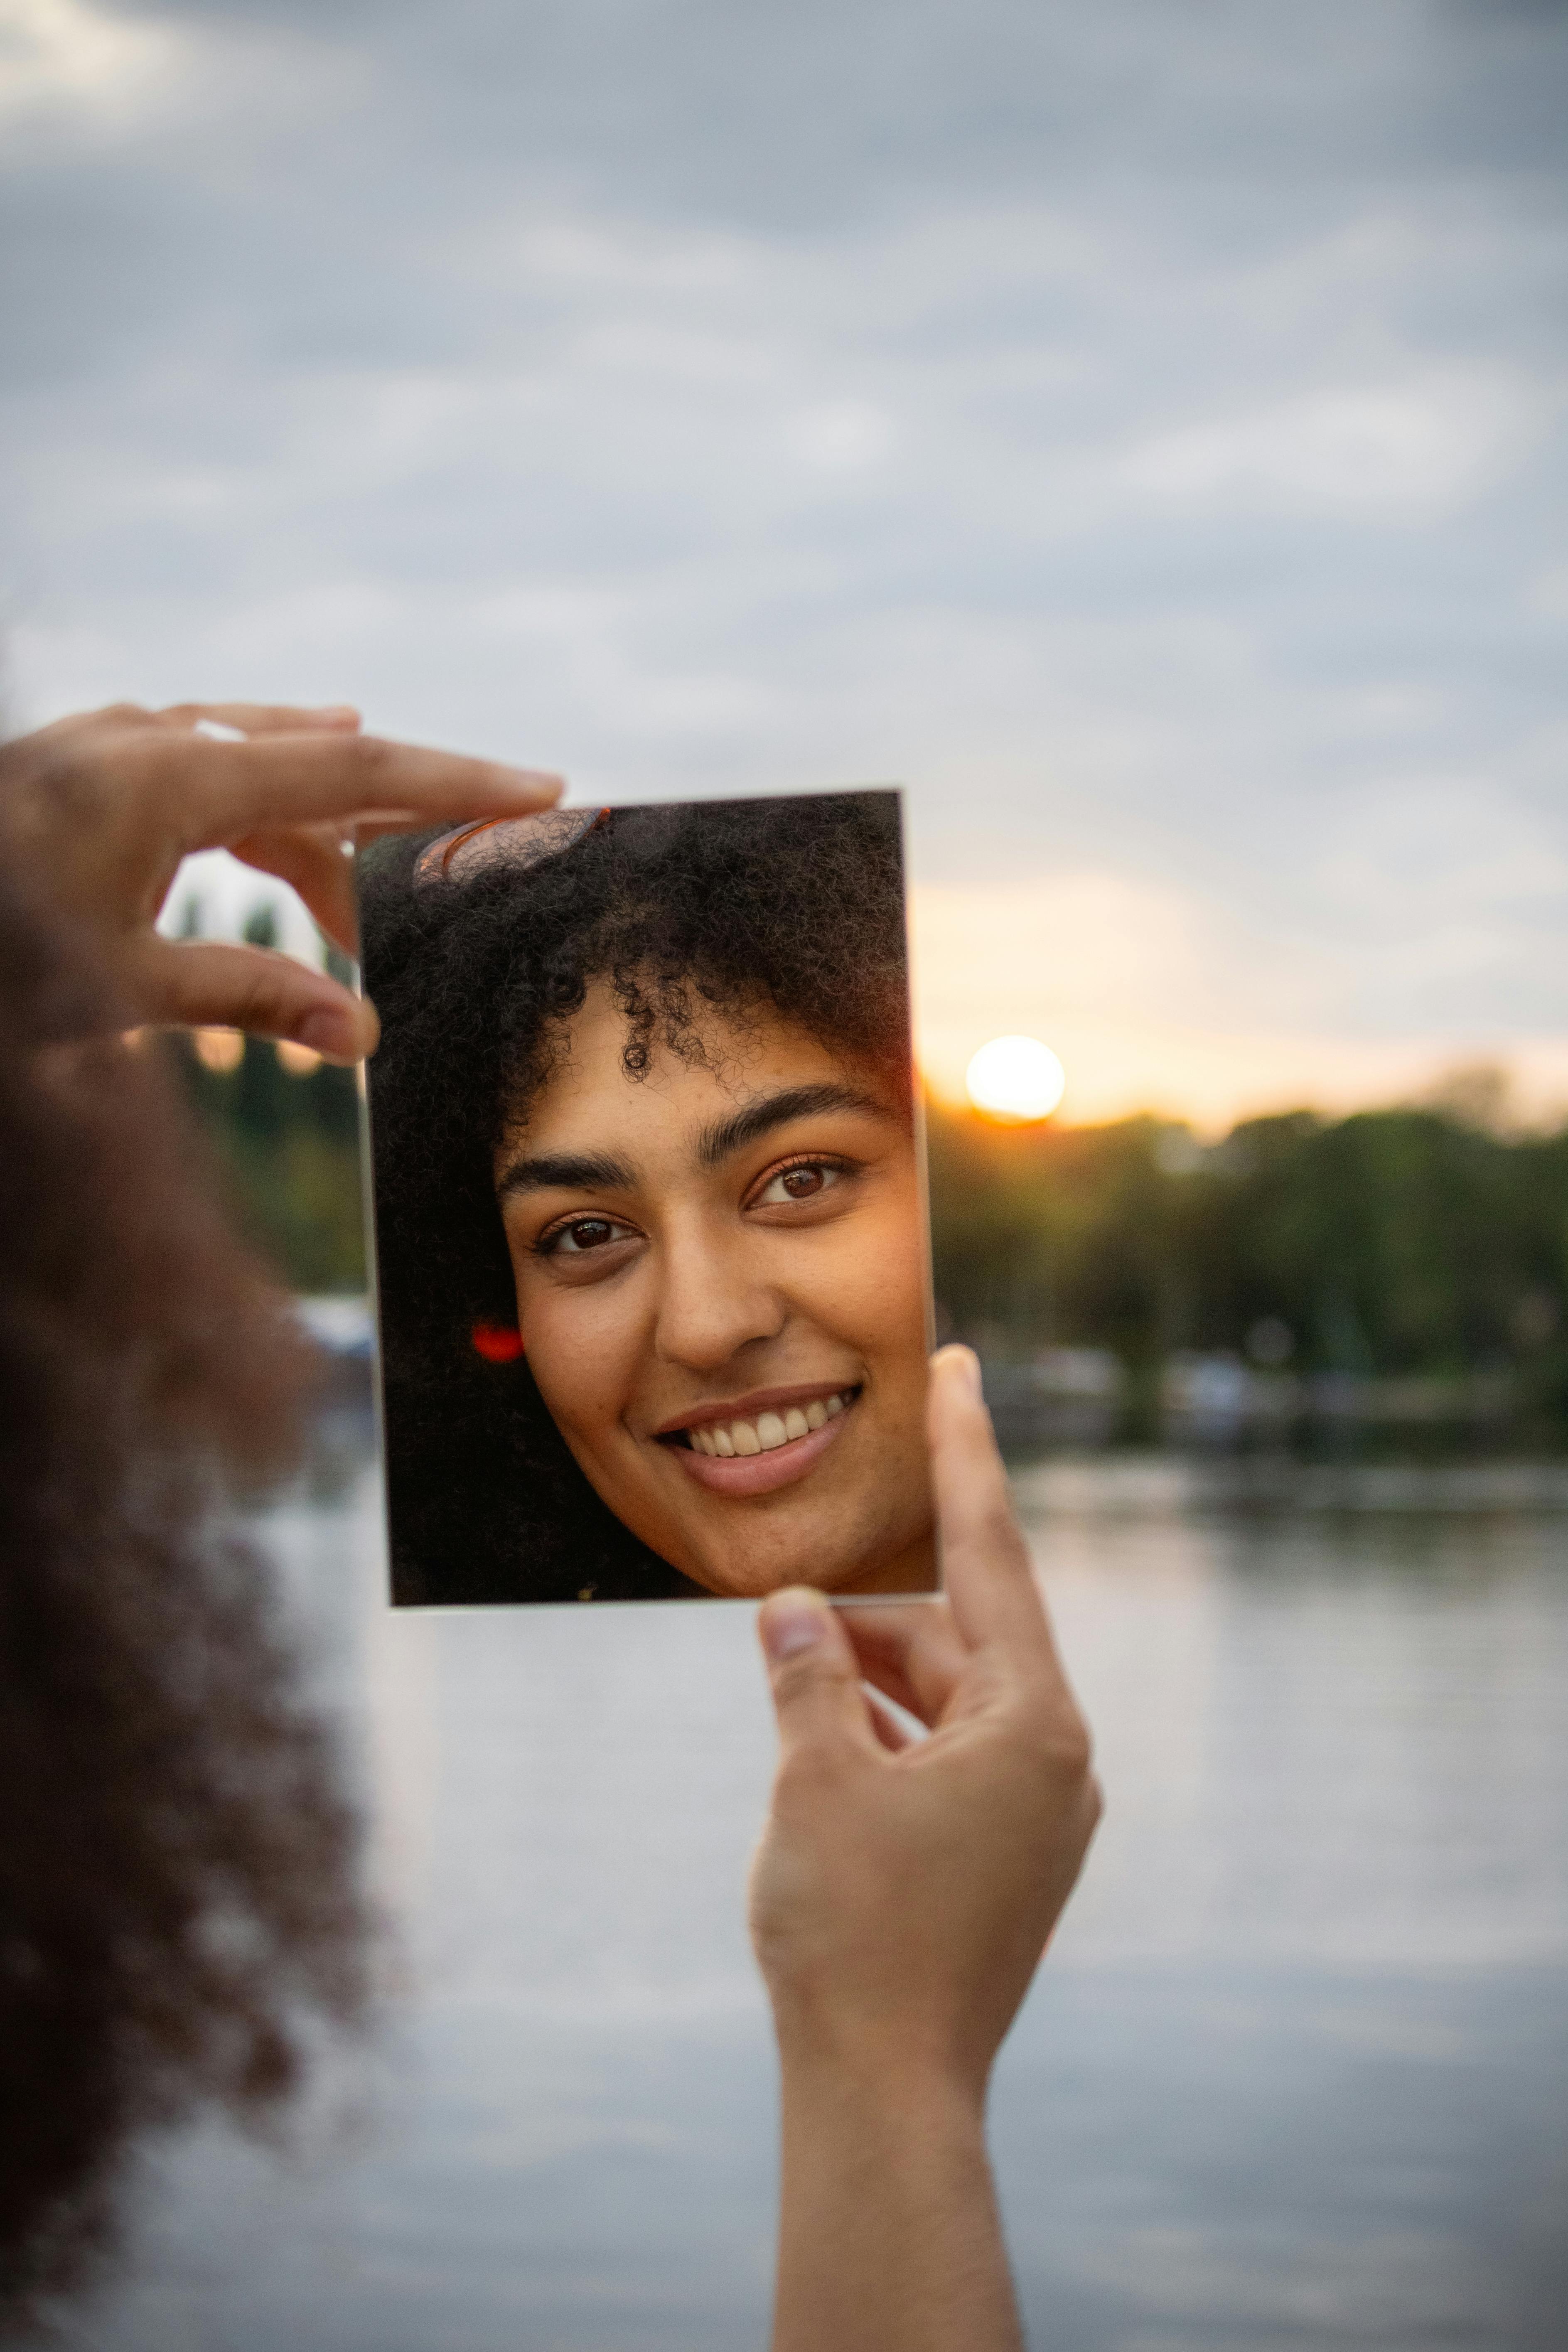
column 498, row 1343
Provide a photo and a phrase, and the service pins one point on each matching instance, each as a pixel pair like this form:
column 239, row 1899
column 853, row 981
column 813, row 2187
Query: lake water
column 1294, row 2076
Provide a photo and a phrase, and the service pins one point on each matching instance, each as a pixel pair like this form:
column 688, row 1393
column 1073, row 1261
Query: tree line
column 1394, row 1242
column 288, row 1143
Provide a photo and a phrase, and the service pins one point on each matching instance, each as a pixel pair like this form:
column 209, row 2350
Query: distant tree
column 291, row 1146
column 1399, row 1241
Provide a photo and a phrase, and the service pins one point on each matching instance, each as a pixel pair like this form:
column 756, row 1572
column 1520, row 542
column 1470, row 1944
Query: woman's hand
column 105, row 806
column 901, row 1898
column 904, row 1889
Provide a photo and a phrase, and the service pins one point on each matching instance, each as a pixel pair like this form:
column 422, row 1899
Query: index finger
column 261, row 717
column 233, row 789
column 912, row 1651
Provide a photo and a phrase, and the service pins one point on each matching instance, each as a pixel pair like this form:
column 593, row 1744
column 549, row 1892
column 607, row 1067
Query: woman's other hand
column 905, row 1887
column 901, row 1898
column 106, row 805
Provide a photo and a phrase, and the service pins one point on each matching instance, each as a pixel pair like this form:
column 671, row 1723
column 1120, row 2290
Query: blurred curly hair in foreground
column 179, row 1874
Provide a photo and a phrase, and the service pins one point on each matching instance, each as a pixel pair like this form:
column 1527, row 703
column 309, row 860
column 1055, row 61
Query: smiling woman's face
column 720, row 1287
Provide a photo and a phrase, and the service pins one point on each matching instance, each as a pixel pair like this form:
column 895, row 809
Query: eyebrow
column 567, row 1172
column 601, row 1171
column 744, row 1126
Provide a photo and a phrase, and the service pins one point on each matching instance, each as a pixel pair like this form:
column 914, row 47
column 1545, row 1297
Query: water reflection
column 1295, row 2076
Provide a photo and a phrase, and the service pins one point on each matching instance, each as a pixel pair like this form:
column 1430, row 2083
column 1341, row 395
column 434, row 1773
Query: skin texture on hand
column 104, row 806
column 901, row 1897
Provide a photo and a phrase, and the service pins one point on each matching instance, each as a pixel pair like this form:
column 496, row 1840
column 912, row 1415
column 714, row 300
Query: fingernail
column 793, row 1624
column 332, row 1035
column 534, row 780
column 338, row 714
column 966, row 1368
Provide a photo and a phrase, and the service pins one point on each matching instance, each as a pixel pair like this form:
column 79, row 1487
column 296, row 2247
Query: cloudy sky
column 1138, row 429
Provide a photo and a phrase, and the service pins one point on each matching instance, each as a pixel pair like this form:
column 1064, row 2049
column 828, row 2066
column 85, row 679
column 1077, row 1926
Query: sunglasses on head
column 517, row 842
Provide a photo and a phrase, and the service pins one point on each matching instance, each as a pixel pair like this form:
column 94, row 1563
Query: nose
column 713, row 1303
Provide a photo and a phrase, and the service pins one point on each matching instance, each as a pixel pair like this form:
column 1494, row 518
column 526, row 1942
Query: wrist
column 909, row 2076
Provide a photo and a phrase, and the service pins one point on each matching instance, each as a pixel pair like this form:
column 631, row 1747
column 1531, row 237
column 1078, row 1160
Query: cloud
column 63, row 61
column 1389, row 449
column 1140, row 431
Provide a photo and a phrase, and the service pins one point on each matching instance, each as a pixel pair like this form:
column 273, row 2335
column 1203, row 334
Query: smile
column 753, row 1453
column 769, row 1431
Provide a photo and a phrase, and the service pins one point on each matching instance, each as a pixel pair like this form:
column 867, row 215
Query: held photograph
column 651, row 1263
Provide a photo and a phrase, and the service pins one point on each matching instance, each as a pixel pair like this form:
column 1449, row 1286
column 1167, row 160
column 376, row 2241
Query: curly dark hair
column 794, row 906
column 179, row 1889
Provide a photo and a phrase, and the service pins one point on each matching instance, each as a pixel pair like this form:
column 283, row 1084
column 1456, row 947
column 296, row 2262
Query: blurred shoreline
column 1064, row 1459
column 1170, row 1485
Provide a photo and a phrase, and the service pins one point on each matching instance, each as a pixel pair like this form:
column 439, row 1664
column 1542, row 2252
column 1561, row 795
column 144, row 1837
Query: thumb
column 815, row 1674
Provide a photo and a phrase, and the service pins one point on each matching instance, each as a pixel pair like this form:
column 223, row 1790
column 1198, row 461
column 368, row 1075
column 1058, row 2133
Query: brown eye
column 584, row 1233
column 804, row 1182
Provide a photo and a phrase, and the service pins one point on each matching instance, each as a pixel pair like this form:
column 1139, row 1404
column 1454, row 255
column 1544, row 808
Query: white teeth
column 769, row 1430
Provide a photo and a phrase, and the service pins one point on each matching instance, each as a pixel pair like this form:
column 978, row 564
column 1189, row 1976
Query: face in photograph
column 653, row 1277
column 721, row 1293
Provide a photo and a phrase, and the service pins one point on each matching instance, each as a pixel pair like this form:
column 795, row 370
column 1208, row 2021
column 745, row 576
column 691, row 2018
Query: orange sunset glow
column 1141, row 1003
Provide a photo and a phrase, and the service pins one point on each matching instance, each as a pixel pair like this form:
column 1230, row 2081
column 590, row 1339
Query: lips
column 761, row 1442
column 766, row 1432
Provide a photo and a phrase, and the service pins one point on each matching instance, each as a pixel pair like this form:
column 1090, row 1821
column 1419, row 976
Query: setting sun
column 1015, row 1078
